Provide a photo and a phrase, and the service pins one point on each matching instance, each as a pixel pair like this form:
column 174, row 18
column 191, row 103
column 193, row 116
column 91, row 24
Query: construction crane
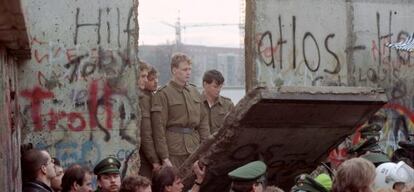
column 178, row 27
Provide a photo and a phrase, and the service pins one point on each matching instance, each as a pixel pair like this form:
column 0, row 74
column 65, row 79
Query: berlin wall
column 335, row 43
column 78, row 95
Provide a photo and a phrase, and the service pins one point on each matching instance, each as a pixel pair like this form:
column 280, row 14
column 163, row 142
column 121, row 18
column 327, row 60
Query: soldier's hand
column 199, row 171
column 156, row 167
column 167, row 162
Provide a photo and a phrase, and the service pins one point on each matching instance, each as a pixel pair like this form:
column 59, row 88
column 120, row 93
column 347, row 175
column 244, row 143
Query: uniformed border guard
column 217, row 106
column 178, row 118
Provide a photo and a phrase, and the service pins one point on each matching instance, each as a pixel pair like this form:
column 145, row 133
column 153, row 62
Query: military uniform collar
column 146, row 92
column 219, row 100
column 179, row 87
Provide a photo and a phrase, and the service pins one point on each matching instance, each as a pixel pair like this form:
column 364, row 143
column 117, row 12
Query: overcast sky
column 152, row 14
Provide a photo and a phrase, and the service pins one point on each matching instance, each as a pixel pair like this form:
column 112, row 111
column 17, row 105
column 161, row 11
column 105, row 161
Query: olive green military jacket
column 217, row 111
column 174, row 106
column 147, row 141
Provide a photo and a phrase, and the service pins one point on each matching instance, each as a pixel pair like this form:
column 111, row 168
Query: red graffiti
column 72, row 118
column 54, row 119
column 36, row 96
column 75, row 120
column 36, row 41
column 70, row 55
column 93, row 103
column 108, row 106
column 38, row 58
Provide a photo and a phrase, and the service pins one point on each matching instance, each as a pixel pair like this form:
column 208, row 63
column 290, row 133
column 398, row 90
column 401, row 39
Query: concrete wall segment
column 78, row 94
column 285, row 41
column 10, row 126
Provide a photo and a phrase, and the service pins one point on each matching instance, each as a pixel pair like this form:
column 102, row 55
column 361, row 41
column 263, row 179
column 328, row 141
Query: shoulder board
column 192, row 84
column 162, row 87
column 226, row 98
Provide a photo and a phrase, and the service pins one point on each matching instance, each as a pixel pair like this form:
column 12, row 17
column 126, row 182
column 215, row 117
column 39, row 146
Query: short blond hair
column 356, row 174
column 177, row 58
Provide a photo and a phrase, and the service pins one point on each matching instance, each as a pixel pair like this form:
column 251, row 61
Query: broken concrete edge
column 335, row 90
column 219, row 141
column 223, row 137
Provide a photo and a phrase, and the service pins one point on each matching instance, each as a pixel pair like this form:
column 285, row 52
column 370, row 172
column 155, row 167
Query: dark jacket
column 36, row 186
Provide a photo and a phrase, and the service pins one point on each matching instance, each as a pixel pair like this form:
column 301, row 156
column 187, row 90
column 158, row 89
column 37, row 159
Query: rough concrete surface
column 291, row 136
column 78, row 95
column 335, row 43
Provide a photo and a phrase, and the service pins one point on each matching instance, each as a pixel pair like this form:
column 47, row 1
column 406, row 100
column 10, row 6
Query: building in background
column 229, row 61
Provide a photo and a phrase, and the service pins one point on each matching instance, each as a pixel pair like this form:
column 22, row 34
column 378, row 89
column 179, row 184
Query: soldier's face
column 142, row 79
column 258, row 187
column 109, row 182
column 152, row 83
column 212, row 89
column 183, row 72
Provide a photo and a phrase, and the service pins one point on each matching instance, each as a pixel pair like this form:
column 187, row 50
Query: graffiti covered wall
column 335, row 43
column 78, row 97
column 375, row 65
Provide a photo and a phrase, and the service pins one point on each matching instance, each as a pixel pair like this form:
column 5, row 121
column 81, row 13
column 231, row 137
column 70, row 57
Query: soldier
column 109, row 179
column 152, row 83
column 216, row 105
column 178, row 117
column 249, row 177
column 149, row 158
column 134, row 162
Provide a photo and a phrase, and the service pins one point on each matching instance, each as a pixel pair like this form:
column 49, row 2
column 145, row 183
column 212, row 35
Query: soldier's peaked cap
column 248, row 172
column 107, row 165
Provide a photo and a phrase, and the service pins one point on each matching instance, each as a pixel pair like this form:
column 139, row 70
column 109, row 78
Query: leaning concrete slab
column 290, row 128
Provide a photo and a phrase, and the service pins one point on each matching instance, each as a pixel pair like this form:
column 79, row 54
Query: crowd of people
column 175, row 119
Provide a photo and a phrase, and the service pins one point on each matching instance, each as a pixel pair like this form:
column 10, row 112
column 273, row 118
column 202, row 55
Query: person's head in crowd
column 354, row 175
column 305, row 183
column 108, row 175
column 393, row 175
column 249, row 177
column 57, row 181
column 77, row 179
column 212, row 83
column 37, row 165
column 398, row 186
column 25, row 147
column 167, row 180
column 152, row 82
column 409, row 187
column 135, row 184
column 181, row 68
column 142, row 74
